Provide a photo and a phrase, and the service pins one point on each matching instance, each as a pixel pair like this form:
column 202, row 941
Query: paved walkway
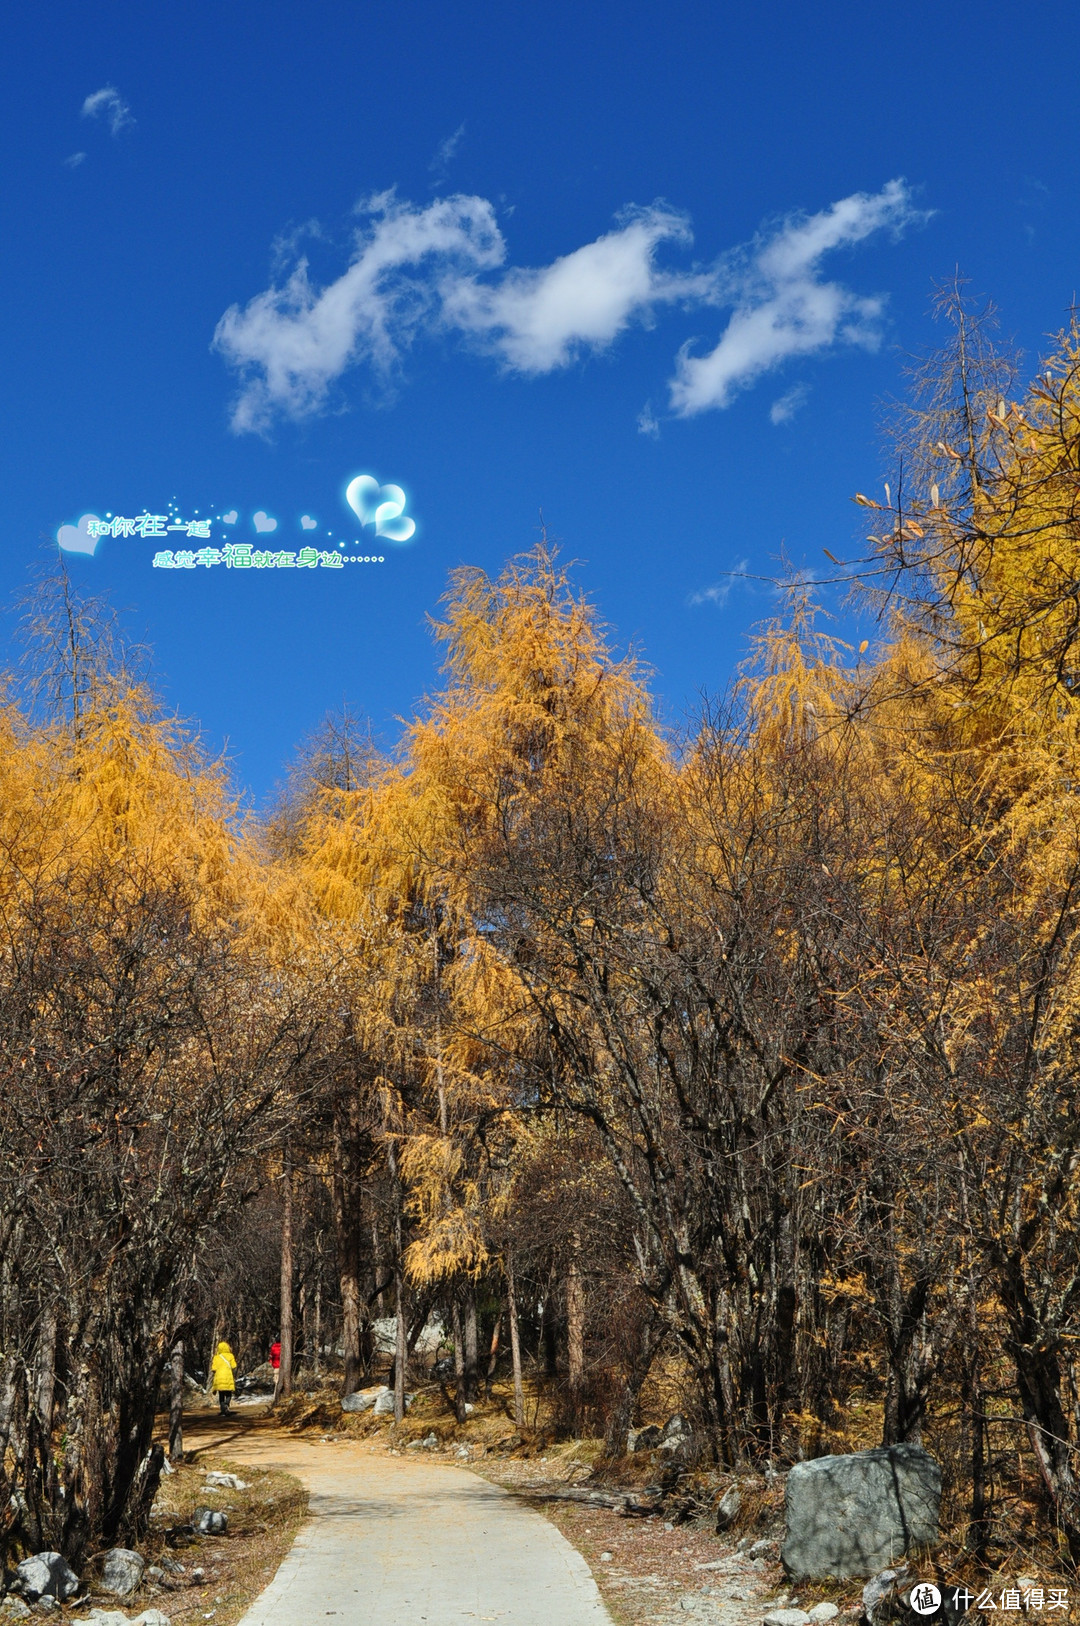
column 395, row 1542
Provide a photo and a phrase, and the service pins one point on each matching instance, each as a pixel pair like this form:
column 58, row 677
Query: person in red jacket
column 275, row 1365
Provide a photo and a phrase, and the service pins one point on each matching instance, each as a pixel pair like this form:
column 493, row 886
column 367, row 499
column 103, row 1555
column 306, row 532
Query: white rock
column 364, row 1399
column 152, row 1617
column 122, row 1571
column 605, row 1558
column 47, row 1575
column 822, row 1612
column 218, row 1481
column 787, row 1617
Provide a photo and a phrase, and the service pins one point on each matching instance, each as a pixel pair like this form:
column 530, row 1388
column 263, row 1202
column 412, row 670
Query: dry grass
column 263, row 1520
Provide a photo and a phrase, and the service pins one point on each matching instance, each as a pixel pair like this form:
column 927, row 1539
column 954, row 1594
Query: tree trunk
column 575, row 1333
column 515, row 1343
column 46, row 1367
column 283, row 1386
column 401, row 1354
column 459, row 1360
column 1038, row 1378
column 219, row 1327
column 622, row 1413
column 347, row 1217
column 316, row 1367
column 471, row 1348
column 176, row 1401
column 493, row 1355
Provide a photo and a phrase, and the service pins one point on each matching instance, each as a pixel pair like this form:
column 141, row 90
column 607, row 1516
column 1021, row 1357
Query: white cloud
column 538, row 320
column 648, row 423
column 419, row 270
column 719, row 593
column 781, row 306
column 785, row 408
column 109, row 103
column 292, row 342
column 446, row 150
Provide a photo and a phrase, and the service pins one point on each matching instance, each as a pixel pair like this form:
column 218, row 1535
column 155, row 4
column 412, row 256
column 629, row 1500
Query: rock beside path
column 208, row 1521
column 856, row 1514
column 46, row 1575
column 116, row 1617
column 122, row 1571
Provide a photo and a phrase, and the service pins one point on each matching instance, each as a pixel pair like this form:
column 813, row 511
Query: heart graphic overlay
column 263, row 522
column 381, row 506
column 74, row 538
column 307, row 522
column 230, row 518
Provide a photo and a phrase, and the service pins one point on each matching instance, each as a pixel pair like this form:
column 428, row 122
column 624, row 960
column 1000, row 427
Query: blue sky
column 650, row 271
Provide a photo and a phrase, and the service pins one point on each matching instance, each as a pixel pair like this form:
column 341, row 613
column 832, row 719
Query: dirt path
column 394, row 1542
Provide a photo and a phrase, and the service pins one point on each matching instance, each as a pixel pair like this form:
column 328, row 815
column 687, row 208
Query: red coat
column 275, row 1356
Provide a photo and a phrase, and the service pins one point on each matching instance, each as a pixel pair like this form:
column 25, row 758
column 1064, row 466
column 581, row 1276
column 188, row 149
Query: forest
column 747, row 1053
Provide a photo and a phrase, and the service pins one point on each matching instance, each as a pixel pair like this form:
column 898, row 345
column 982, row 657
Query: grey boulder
column 647, row 1439
column 856, row 1514
column 208, row 1521
column 364, row 1399
column 219, row 1481
column 121, row 1572
column 47, row 1575
column 728, row 1509
column 787, row 1617
column 881, row 1596
column 384, row 1405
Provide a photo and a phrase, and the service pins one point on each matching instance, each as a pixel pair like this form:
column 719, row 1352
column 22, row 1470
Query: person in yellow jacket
column 222, row 1368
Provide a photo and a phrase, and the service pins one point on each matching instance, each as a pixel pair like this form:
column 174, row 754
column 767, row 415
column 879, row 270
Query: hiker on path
column 275, row 1364
column 222, row 1367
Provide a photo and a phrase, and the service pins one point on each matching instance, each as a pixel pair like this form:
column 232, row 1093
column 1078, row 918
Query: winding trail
column 395, row 1542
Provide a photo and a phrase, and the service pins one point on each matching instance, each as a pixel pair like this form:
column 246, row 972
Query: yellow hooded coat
column 223, row 1366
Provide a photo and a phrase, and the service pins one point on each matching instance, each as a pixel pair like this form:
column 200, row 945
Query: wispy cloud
column 74, row 160
column 538, row 320
column 719, row 593
column 446, row 151
column 108, row 103
column 782, row 307
column 785, row 408
column 292, row 342
column 417, row 270
column 648, row 423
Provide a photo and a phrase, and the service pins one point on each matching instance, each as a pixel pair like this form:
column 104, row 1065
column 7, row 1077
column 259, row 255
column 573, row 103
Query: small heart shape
column 381, row 506
column 230, row 518
column 263, row 521
column 307, row 523
column 75, row 538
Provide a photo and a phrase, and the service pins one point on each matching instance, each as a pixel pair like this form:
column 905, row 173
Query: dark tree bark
column 515, row 1342
column 283, row 1386
column 471, row 1347
column 176, row 1401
